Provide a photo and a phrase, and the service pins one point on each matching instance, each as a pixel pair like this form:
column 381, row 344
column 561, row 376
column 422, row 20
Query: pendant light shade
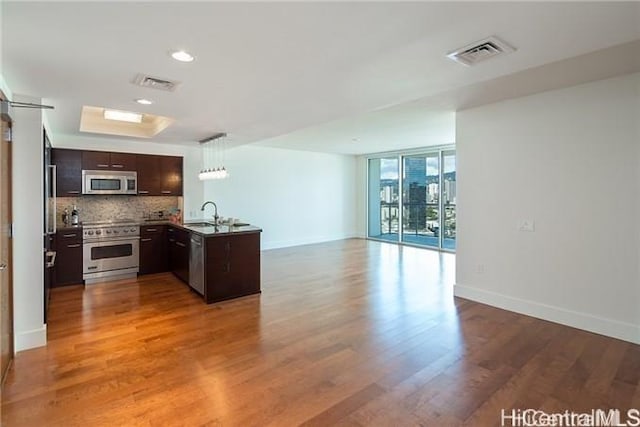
column 213, row 157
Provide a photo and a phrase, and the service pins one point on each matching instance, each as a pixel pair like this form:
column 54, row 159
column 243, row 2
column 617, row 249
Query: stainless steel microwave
column 109, row 182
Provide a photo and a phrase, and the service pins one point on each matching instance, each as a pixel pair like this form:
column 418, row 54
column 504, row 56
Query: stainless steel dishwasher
column 196, row 263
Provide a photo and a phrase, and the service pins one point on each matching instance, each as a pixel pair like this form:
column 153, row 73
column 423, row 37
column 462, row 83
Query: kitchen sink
column 199, row 224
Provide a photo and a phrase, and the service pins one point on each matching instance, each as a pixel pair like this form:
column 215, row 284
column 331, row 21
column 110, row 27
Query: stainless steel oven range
column 111, row 250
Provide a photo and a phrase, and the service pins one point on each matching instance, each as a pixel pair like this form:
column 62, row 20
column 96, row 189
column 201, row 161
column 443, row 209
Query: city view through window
column 412, row 200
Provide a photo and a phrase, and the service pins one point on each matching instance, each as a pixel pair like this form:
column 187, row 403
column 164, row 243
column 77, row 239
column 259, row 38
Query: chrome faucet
column 215, row 212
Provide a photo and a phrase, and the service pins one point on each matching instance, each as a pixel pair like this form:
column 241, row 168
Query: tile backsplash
column 106, row 208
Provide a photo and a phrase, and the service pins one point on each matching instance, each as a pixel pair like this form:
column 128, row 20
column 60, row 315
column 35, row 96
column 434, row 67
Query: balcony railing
column 420, row 219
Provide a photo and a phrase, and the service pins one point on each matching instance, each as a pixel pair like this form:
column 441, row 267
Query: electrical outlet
column 527, row 225
column 480, row 268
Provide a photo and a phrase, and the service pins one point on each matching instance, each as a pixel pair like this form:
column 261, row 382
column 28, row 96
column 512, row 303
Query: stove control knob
column 108, row 231
column 126, row 230
column 133, row 230
column 98, row 232
column 115, row 231
column 90, row 232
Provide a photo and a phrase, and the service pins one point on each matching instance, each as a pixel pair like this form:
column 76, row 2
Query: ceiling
column 320, row 76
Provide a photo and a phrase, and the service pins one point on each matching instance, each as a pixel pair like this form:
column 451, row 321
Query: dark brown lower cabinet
column 178, row 242
column 232, row 266
column 153, row 249
column 68, row 267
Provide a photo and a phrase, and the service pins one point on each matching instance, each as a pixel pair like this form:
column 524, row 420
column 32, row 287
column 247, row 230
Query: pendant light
column 213, row 151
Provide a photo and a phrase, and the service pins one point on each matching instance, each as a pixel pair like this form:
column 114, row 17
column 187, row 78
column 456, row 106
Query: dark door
column 179, row 241
column 244, row 263
column 96, row 160
column 219, row 285
column 68, row 269
column 171, row 176
column 68, row 171
column 149, row 175
column 153, row 249
column 123, row 161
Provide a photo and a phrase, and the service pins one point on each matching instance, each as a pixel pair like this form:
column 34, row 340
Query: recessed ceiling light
column 182, row 56
column 123, row 116
column 144, row 101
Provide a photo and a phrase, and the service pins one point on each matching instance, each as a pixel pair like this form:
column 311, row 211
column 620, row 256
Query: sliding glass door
column 384, row 197
column 420, row 199
column 412, row 199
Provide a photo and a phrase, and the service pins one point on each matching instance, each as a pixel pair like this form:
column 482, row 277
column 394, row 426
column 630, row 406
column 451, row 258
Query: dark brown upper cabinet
column 123, row 161
column 149, row 175
column 68, row 171
column 104, row 160
column 159, row 175
column 171, row 176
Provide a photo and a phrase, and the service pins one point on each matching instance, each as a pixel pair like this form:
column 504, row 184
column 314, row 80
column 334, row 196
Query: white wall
column 5, row 88
column 193, row 187
column 3, row 84
column 568, row 159
column 28, row 292
column 297, row 197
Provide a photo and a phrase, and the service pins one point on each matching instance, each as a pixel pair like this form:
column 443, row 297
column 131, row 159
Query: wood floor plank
column 345, row 333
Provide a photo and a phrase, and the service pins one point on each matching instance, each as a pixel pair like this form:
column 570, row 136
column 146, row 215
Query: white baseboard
column 30, row 339
column 305, row 241
column 599, row 325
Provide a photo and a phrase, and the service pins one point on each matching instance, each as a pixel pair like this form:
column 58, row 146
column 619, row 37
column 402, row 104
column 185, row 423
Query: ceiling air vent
column 154, row 82
column 480, row 51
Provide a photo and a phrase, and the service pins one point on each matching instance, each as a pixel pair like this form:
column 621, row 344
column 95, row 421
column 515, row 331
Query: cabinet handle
column 73, row 192
column 143, row 192
column 117, row 166
column 227, row 267
column 166, row 192
column 145, row 240
column 101, row 165
column 74, row 246
column 69, row 235
column 182, row 245
column 172, row 240
column 151, row 229
column 52, row 262
column 227, row 246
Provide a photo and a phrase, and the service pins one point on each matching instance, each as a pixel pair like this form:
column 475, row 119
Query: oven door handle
column 111, row 239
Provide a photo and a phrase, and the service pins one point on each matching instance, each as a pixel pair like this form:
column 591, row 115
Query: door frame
column 400, row 155
column 6, row 121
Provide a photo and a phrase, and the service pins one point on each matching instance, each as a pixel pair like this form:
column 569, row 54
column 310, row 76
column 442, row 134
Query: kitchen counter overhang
column 219, row 230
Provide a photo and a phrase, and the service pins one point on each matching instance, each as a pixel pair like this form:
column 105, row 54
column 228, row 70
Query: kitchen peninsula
column 224, row 260
column 218, row 262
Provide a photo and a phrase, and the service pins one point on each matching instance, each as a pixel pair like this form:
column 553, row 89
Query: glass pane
column 105, row 184
column 384, row 198
column 420, row 199
column 112, row 251
column 449, row 200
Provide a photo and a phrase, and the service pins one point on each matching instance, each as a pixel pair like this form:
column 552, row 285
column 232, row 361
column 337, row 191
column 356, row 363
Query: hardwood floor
column 346, row 333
